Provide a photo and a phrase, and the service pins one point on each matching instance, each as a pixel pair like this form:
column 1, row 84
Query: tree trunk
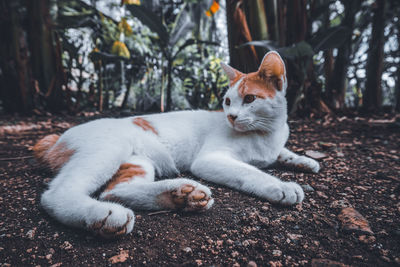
column 297, row 25
column 100, row 85
column 271, row 11
column 372, row 99
column 45, row 51
column 282, row 14
column 256, row 18
column 169, row 86
column 15, row 74
column 293, row 16
column 244, row 59
column 328, row 71
column 337, row 85
column 397, row 89
column 162, row 91
column 328, row 62
column 127, row 93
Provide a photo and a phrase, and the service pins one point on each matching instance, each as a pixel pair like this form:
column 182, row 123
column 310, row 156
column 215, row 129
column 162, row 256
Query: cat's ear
column 230, row 72
column 273, row 67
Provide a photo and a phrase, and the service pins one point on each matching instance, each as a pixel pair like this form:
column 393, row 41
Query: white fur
column 202, row 142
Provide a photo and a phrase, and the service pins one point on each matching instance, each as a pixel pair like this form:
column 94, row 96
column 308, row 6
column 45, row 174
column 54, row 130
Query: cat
column 124, row 155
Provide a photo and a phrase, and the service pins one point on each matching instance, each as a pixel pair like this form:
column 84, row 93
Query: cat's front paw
column 307, row 164
column 285, row 193
column 112, row 221
column 190, row 196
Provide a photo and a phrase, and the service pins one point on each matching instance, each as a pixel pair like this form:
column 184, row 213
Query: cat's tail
column 43, row 146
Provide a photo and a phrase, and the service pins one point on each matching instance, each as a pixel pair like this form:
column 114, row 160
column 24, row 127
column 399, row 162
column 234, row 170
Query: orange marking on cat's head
column 272, row 66
column 218, row 110
column 144, row 124
column 233, row 74
column 237, row 78
column 254, row 84
column 125, row 173
column 262, row 83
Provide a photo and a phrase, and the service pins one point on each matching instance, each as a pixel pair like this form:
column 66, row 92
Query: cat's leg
column 222, row 168
column 68, row 197
column 169, row 194
column 135, row 168
column 292, row 160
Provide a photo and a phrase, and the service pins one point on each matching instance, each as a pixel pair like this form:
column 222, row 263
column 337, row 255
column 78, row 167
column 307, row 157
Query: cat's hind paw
column 112, row 223
column 187, row 197
column 285, row 193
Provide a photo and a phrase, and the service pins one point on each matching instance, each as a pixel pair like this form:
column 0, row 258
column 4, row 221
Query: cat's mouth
column 240, row 127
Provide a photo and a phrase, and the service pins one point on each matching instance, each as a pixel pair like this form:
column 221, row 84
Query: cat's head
column 256, row 101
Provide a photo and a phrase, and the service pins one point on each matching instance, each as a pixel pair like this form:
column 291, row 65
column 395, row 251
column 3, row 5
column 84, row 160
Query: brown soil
column 361, row 170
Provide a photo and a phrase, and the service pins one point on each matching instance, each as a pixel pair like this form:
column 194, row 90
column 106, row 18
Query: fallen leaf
column 326, row 263
column 294, row 236
column 121, row 257
column 326, row 145
column 315, row 154
column 353, row 221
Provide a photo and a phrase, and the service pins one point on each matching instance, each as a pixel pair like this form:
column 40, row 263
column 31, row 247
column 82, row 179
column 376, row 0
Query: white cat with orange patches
column 125, row 155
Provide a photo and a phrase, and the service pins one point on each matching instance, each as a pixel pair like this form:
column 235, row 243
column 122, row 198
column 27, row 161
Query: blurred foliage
column 164, row 54
column 325, row 44
column 213, row 9
column 144, row 60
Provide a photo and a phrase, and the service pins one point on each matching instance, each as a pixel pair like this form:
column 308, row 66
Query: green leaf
column 298, row 50
column 151, row 20
column 331, row 38
column 94, row 56
column 270, row 45
column 336, row 21
column 182, row 25
column 77, row 21
column 192, row 41
column 322, row 8
column 301, row 49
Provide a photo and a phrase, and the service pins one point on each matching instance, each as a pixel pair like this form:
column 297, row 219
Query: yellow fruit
column 125, row 27
column 120, row 49
column 130, row 2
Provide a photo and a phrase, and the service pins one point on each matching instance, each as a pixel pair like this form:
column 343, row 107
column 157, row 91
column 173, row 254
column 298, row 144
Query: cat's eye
column 249, row 98
column 227, row 101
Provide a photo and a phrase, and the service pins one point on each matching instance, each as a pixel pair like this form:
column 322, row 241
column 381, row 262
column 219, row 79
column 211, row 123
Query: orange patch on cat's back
column 144, row 124
column 52, row 154
column 44, row 145
column 125, row 173
column 58, row 156
column 254, row 84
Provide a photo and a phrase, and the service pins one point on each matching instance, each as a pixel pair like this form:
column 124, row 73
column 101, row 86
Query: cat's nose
column 232, row 118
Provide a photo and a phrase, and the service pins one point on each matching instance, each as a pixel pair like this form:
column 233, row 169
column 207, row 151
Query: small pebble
column 307, row 188
column 187, row 250
column 276, row 253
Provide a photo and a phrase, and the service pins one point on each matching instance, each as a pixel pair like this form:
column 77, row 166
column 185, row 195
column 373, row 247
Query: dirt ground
column 361, row 166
